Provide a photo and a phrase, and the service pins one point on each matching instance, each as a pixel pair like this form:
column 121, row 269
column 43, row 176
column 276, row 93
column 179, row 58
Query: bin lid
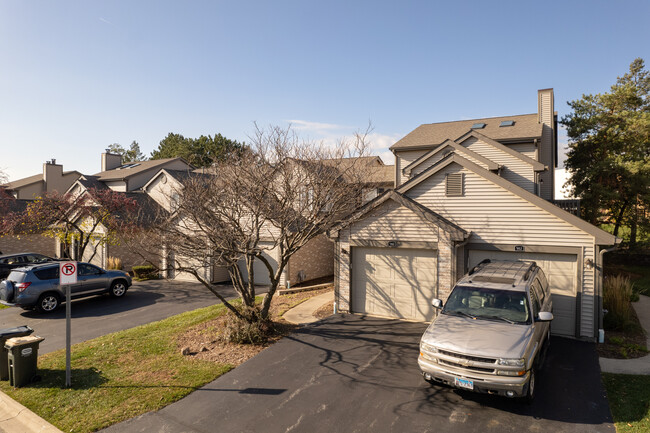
column 20, row 341
column 15, row 332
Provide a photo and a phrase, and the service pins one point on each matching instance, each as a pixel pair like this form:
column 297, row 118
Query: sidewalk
column 303, row 313
column 637, row 365
column 14, row 417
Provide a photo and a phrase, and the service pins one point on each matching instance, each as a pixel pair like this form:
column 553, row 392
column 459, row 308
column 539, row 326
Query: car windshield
column 489, row 304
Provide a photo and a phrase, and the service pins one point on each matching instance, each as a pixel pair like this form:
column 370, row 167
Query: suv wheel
column 118, row 289
column 530, row 393
column 47, row 303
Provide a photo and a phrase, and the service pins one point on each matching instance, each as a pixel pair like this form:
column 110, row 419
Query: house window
column 454, row 185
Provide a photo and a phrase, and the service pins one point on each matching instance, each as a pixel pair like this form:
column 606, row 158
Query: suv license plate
column 464, row 383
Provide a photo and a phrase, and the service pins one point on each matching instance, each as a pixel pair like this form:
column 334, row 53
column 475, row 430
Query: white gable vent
column 454, row 185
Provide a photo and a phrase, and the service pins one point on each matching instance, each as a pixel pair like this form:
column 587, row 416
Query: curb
column 14, row 417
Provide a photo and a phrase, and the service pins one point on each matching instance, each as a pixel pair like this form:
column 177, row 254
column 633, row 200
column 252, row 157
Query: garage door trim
column 368, row 243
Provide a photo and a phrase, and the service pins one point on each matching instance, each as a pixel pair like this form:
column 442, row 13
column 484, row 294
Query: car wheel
column 530, row 393
column 118, row 289
column 47, row 303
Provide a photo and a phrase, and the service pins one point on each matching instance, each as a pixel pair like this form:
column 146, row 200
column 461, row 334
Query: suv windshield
column 488, row 304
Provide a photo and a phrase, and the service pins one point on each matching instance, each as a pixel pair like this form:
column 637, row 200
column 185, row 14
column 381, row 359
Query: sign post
column 67, row 276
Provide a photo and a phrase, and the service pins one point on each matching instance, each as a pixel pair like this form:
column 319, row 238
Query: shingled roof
column 131, row 169
column 526, row 126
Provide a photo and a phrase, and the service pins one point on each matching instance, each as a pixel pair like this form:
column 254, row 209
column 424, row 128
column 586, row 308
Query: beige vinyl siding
column 588, row 304
column 526, row 149
column 162, row 192
column 391, row 221
column 514, row 169
column 497, row 216
column 119, row 186
column 494, row 214
column 402, row 160
column 437, row 157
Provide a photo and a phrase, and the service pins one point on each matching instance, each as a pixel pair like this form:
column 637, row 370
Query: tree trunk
column 619, row 217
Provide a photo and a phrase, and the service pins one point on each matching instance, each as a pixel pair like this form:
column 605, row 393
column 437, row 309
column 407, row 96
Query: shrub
column 242, row 331
column 146, row 272
column 617, row 293
column 115, row 263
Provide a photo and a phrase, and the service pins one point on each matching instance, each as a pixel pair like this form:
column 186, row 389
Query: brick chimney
column 110, row 161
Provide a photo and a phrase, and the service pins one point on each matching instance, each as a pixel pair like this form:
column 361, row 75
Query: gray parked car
column 17, row 260
column 37, row 286
column 493, row 332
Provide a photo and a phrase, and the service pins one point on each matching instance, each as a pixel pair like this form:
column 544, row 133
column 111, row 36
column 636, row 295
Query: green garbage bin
column 23, row 357
column 6, row 334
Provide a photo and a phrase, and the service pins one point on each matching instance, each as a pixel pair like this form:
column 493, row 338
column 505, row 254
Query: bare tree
column 279, row 195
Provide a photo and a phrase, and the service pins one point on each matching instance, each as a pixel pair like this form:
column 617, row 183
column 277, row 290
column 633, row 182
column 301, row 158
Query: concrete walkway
column 14, row 417
column 304, row 312
column 637, row 365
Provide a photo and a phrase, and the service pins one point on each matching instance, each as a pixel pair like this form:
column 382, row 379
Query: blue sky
column 76, row 76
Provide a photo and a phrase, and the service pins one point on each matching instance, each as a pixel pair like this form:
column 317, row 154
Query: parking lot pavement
column 358, row 374
column 95, row 316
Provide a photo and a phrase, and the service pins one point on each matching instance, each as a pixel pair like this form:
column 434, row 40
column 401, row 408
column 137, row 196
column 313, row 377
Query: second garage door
column 394, row 282
column 561, row 272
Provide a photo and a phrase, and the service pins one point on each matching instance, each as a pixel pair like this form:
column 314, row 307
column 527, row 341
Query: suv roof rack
column 476, row 268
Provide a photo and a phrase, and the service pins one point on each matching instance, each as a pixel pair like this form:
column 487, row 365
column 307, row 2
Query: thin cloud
column 104, row 20
column 305, row 125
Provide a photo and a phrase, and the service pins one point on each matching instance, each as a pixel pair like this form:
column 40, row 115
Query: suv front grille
column 469, row 358
column 466, row 367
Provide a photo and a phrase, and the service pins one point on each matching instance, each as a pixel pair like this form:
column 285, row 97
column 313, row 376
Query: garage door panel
column 561, row 273
column 389, row 282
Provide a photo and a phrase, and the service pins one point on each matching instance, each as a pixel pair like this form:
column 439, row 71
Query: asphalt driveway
column 356, row 374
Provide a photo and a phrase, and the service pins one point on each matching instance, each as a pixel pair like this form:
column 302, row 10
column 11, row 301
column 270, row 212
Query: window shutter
column 454, row 185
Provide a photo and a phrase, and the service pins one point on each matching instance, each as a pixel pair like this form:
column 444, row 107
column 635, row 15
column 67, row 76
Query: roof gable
column 601, row 237
column 423, row 212
column 449, row 145
column 537, row 166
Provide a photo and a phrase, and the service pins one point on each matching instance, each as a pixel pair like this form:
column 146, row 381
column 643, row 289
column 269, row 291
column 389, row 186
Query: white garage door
column 561, row 272
column 260, row 269
column 394, row 282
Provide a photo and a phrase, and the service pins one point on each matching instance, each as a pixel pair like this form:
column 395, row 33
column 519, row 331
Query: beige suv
column 493, row 333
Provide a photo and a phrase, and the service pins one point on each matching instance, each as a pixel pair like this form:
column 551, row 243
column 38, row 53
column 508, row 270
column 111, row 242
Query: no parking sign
column 68, row 273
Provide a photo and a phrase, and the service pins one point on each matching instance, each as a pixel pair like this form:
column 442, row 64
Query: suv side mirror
column 436, row 303
column 544, row 316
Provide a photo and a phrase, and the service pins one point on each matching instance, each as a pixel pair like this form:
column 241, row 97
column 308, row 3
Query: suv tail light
column 22, row 286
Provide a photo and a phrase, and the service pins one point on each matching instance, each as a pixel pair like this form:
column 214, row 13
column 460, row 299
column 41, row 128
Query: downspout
column 599, row 279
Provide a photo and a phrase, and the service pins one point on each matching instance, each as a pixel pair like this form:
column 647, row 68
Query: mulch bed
column 624, row 344
column 204, row 341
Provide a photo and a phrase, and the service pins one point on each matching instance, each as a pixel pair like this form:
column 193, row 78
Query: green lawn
column 629, row 400
column 119, row 376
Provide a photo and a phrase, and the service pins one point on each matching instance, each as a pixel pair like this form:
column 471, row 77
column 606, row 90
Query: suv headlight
column 512, row 362
column 424, row 347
